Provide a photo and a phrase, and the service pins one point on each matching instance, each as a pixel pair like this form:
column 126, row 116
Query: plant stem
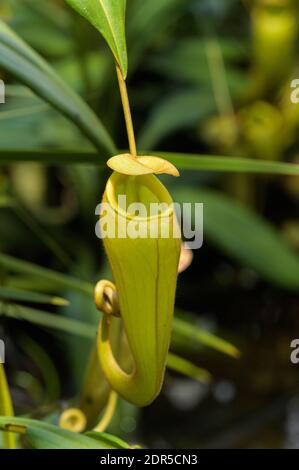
column 6, row 409
column 109, row 413
column 127, row 112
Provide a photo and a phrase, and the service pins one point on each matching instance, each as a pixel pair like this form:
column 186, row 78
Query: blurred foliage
column 207, row 79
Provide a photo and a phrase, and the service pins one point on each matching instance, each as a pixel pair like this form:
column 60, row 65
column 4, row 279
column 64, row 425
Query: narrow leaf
column 48, row 320
column 229, row 164
column 42, row 435
column 26, row 65
column 110, row 440
column 8, row 293
column 183, row 161
column 59, row 280
column 187, row 368
column 245, row 236
column 192, row 332
column 177, row 111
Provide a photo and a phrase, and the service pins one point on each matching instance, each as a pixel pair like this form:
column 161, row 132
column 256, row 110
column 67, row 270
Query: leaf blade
column 245, row 236
column 8, row 293
column 48, row 320
column 42, row 435
column 187, row 368
column 187, row 162
column 192, row 332
column 26, row 65
column 59, row 280
column 108, row 17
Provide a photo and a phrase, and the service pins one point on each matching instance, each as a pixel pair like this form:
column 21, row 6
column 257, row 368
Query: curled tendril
column 73, row 419
column 106, row 298
column 108, row 413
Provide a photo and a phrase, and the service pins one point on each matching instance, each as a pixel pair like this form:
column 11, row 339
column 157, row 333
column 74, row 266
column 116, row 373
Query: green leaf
column 22, row 62
column 110, row 440
column 148, row 21
column 245, row 236
column 228, row 164
column 192, row 50
column 183, row 161
column 108, row 17
column 176, row 111
column 192, row 332
column 187, row 368
column 45, row 365
column 181, row 328
column 46, row 436
column 6, row 408
column 59, row 280
column 8, row 293
column 48, row 320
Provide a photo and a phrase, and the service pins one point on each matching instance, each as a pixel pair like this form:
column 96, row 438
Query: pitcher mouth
column 145, row 189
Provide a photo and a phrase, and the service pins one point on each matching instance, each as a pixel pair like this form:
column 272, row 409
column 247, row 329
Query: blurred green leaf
column 43, row 361
column 27, row 66
column 192, row 332
column 229, row 164
column 46, row 37
column 55, row 13
column 184, row 161
column 46, row 436
column 97, row 68
column 35, row 122
column 48, row 320
column 174, row 112
column 147, row 20
column 29, row 384
column 38, row 230
column 245, row 236
column 110, row 440
column 8, row 293
column 108, row 17
column 181, row 327
column 59, row 280
column 191, row 52
column 187, row 368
